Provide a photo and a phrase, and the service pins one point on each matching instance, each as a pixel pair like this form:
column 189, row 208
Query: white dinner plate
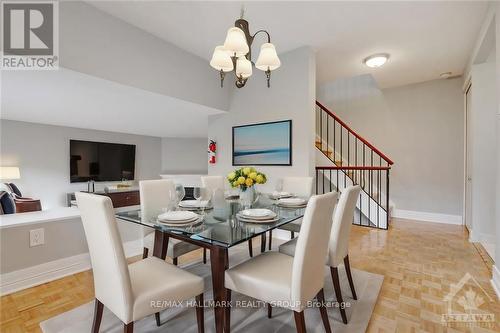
column 279, row 195
column 194, row 204
column 292, row 202
column 178, row 216
column 249, row 220
column 182, row 225
column 257, row 212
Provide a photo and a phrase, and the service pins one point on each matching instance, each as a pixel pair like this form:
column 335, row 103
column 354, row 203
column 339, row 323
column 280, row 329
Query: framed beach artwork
column 263, row 144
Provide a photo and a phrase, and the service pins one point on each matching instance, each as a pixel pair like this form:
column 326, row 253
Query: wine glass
column 279, row 185
column 180, row 192
column 206, row 196
column 172, row 202
column 197, row 193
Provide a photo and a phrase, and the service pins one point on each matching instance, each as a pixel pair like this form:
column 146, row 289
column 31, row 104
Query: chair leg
column 204, row 255
column 270, row 239
column 349, row 276
column 269, row 310
column 97, row 316
column 128, row 328
column 336, row 286
column 157, row 317
column 227, row 314
column 175, row 261
column 292, row 234
column 250, row 248
column 145, row 253
column 322, row 309
column 300, row 323
column 200, row 313
column 263, row 243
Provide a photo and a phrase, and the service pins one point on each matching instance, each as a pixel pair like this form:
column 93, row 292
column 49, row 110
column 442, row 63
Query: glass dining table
column 219, row 230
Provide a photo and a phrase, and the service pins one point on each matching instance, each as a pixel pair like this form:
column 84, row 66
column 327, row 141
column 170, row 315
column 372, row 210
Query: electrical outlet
column 37, row 237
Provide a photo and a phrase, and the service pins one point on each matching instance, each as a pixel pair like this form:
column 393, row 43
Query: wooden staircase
column 353, row 161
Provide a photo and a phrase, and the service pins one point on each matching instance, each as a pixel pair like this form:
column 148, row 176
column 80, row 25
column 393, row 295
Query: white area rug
column 183, row 319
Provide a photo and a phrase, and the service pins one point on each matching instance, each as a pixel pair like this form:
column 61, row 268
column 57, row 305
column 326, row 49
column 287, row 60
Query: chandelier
column 236, row 54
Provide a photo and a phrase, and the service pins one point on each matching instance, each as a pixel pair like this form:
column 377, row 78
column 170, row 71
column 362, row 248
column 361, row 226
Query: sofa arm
column 25, row 205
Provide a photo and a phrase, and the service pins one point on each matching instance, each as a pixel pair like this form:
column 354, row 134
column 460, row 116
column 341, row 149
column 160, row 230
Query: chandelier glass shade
column 243, row 67
column 268, row 58
column 221, row 60
column 236, row 55
column 236, row 42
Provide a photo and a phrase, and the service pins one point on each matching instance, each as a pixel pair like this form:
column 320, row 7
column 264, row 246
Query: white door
column 468, row 160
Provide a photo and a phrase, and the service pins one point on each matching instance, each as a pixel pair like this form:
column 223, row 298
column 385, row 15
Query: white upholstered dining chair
column 129, row 291
column 285, row 281
column 156, row 195
column 300, row 187
column 338, row 247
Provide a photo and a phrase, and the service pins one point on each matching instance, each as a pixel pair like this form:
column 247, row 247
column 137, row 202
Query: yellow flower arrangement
column 246, row 177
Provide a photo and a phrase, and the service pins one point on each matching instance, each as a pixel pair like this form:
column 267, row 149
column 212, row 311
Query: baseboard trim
column 495, row 280
column 53, row 270
column 427, row 217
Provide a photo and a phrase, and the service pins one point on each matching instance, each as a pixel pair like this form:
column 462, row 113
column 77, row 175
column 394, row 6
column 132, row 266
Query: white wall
column 291, row 96
column 184, row 156
column 419, row 127
column 483, row 138
column 63, row 239
column 98, row 44
column 42, row 154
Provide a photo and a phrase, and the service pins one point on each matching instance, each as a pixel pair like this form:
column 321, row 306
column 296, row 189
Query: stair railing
column 373, row 206
column 355, row 160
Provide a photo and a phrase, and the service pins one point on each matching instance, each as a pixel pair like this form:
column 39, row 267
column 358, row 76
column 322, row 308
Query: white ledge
column 50, row 215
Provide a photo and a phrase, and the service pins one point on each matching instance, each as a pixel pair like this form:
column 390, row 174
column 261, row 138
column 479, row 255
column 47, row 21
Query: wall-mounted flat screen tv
column 263, row 144
column 101, row 161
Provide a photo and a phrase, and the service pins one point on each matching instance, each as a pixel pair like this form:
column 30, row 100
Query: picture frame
column 268, row 143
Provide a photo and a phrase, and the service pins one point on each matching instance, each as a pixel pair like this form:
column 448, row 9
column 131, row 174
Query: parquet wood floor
column 420, row 262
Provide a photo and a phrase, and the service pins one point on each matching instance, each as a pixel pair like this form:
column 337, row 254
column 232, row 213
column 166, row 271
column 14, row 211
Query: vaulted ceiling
column 423, row 38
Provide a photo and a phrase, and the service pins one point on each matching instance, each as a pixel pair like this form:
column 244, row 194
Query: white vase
column 247, row 197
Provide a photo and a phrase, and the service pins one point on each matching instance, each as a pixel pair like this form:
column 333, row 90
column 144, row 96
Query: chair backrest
column 212, row 183
column 312, row 248
column 300, row 186
column 111, row 276
column 154, row 195
column 338, row 247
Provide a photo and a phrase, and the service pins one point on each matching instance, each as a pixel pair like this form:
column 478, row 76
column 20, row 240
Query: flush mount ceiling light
column 236, row 54
column 376, row 60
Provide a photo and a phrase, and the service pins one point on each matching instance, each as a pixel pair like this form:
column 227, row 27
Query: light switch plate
column 37, row 237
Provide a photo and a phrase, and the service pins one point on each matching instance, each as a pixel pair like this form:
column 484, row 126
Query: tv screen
column 101, row 161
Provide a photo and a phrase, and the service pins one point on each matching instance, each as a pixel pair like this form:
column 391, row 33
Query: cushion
column 267, row 277
column 7, row 203
column 15, row 190
column 154, row 280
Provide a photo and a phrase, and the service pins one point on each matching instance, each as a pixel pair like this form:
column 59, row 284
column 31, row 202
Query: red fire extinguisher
column 212, row 149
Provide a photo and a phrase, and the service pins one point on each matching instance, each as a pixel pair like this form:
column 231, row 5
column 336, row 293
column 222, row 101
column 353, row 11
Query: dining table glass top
column 220, row 225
